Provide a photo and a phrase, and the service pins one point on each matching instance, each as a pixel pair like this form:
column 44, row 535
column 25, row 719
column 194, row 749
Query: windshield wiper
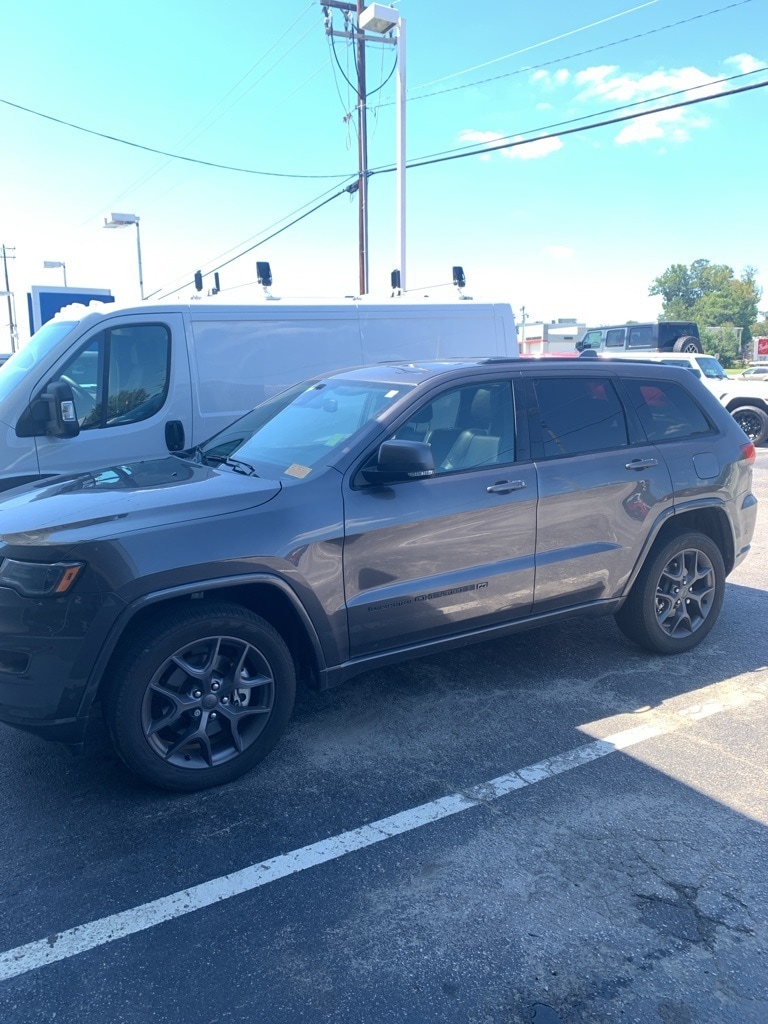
column 240, row 467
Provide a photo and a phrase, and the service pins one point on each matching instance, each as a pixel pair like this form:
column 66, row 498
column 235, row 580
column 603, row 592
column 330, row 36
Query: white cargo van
column 97, row 388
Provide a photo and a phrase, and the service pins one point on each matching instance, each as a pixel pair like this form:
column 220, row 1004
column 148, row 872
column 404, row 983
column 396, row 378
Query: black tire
column 200, row 696
column 687, row 344
column 677, row 595
column 753, row 421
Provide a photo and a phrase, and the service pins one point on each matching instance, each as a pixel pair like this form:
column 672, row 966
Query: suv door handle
column 505, row 486
column 642, row 464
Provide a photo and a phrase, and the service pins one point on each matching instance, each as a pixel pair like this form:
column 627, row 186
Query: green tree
column 723, row 341
column 710, row 294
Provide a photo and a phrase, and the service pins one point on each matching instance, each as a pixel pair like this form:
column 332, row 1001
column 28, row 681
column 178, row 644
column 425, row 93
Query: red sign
column 762, row 346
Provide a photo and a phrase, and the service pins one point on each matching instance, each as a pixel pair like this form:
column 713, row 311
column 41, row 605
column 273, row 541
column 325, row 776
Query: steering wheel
column 85, row 402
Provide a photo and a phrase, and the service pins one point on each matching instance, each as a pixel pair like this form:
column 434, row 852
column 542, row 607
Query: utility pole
column 523, row 318
column 11, row 325
column 362, row 130
column 362, row 146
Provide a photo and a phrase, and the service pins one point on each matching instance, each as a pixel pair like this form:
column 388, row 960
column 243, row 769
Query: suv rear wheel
column 200, row 697
column 677, row 595
column 753, row 421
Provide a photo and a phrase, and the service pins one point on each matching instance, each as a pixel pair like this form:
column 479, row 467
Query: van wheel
column 687, row 344
column 753, row 421
column 200, row 697
column 676, row 598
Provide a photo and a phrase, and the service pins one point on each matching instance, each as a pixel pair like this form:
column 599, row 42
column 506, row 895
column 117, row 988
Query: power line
column 278, row 174
column 570, row 56
column 444, row 158
column 163, row 152
column 348, row 190
column 427, row 161
column 535, row 46
column 207, row 263
column 611, row 110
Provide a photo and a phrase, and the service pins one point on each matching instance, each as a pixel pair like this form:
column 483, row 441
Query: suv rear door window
column 615, row 337
column 641, row 337
column 579, row 414
column 666, row 410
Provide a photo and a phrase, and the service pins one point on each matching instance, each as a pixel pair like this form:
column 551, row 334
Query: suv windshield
column 711, row 368
column 27, row 357
column 297, row 431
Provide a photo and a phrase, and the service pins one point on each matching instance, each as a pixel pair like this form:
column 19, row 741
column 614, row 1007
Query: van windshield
column 26, row 358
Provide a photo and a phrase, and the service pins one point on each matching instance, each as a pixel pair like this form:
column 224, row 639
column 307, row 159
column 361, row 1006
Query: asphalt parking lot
column 556, row 828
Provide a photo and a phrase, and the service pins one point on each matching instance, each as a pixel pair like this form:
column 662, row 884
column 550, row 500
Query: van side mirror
column 58, row 401
column 579, row 346
column 401, row 460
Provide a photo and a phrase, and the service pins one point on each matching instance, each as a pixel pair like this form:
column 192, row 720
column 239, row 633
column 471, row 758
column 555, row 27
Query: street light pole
column 6, row 255
column 401, row 148
column 52, row 264
column 381, row 19
column 121, row 220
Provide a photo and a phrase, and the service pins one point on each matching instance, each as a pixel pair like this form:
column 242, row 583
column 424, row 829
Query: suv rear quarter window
column 666, row 410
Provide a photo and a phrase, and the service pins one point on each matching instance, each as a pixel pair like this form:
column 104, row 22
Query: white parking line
column 88, row 936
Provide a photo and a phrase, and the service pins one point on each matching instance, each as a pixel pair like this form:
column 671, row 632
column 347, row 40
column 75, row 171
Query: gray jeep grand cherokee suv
column 369, row 516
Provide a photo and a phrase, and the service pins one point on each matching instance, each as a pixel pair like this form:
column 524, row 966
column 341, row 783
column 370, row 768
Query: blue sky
column 572, row 225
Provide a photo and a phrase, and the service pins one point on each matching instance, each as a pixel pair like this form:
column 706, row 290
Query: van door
column 130, row 382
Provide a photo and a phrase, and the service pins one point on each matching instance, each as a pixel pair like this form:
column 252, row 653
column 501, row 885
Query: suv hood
column 736, row 386
column 120, row 499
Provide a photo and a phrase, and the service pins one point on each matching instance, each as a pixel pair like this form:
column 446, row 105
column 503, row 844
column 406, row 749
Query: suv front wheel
column 677, row 595
column 200, row 697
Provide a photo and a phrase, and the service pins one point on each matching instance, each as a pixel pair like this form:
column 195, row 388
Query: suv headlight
column 39, row 579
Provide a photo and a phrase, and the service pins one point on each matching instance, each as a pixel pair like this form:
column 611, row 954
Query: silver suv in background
column 356, row 520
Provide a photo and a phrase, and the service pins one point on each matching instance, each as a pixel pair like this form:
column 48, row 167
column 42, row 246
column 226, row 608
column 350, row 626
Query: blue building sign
column 45, row 302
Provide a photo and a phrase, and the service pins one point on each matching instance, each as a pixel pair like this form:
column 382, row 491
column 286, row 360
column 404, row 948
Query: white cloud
column 560, row 252
column 474, row 138
column 601, row 82
column 670, row 125
column 551, row 81
column 595, row 74
column 533, row 150
column 745, row 62
column 605, row 83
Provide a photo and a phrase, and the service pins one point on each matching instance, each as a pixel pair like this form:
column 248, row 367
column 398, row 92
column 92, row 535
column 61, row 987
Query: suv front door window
column 451, row 552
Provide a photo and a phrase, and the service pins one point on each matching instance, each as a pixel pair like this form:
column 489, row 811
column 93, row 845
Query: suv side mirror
column 57, row 404
column 401, row 460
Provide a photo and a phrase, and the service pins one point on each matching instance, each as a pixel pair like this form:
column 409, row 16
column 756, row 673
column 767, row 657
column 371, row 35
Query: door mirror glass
column 61, row 411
